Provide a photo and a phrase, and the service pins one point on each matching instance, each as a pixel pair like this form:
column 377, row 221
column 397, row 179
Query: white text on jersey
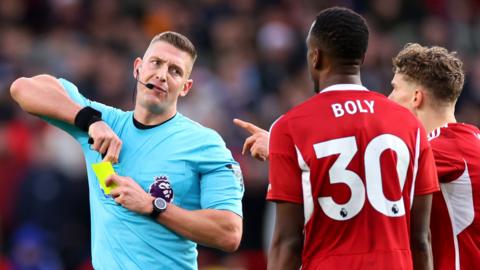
column 353, row 107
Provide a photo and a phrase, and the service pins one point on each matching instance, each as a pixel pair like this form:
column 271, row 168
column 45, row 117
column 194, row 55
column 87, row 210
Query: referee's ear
column 186, row 87
column 136, row 66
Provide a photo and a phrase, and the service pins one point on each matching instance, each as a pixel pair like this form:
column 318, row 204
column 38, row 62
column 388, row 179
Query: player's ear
column 418, row 98
column 186, row 87
column 362, row 60
column 317, row 59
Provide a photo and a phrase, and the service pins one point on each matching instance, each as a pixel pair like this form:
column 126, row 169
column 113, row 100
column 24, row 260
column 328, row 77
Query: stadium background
column 251, row 65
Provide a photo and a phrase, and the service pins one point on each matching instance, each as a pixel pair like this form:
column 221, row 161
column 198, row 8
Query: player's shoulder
column 454, row 138
column 387, row 108
column 443, row 148
column 454, row 131
column 301, row 108
column 434, row 135
column 294, row 116
column 452, row 145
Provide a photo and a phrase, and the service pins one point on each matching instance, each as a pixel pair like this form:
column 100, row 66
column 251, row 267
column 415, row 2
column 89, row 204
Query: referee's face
column 167, row 68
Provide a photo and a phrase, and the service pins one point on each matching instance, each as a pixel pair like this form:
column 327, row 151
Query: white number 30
column 338, row 173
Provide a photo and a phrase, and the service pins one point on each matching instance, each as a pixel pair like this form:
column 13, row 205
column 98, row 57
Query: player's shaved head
column 341, row 33
column 336, row 46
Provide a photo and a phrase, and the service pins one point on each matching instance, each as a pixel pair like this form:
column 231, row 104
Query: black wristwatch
column 159, row 206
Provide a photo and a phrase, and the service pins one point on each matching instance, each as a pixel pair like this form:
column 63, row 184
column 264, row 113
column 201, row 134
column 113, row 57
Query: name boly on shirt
column 352, row 107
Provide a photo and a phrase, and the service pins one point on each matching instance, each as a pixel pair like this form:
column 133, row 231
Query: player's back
column 359, row 154
column 455, row 220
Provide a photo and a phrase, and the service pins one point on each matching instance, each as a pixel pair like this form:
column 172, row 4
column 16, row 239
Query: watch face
column 160, row 204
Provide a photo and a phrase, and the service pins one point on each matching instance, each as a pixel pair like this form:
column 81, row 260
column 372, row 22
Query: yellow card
column 102, row 171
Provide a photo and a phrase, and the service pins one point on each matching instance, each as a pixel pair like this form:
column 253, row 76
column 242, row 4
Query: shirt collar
column 343, row 87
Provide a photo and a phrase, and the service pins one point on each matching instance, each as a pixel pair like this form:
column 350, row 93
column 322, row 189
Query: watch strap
column 155, row 210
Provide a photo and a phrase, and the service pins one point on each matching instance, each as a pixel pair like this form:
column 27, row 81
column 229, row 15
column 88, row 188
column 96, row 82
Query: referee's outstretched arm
column 43, row 95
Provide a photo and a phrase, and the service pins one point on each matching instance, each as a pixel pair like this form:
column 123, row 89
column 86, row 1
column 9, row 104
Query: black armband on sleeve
column 87, row 116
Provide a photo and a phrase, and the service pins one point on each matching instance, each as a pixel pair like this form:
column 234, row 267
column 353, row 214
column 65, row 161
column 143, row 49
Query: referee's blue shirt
column 195, row 160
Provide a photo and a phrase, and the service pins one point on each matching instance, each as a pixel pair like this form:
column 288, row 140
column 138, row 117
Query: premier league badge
column 161, row 188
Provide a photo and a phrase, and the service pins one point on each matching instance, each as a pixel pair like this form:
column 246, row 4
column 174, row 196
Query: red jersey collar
column 343, row 87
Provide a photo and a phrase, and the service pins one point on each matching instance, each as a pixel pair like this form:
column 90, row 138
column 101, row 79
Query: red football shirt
column 455, row 220
column 354, row 159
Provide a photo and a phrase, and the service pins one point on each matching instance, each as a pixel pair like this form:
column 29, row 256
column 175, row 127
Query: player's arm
column 220, row 229
column 426, row 183
column 43, row 95
column 287, row 243
column 286, row 191
column 257, row 143
column 420, row 240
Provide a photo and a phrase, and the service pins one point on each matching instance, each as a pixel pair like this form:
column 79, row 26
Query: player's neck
column 435, row 118
column 339, row 79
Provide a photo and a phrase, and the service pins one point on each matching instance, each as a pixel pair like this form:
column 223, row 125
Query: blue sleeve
column 109, row 114
column 221, row 180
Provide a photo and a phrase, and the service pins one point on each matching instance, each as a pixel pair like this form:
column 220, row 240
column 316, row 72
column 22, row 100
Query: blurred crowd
column 251, row 65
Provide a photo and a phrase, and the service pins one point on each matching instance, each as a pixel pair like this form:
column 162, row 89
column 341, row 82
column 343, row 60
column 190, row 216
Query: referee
column 176, row 183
